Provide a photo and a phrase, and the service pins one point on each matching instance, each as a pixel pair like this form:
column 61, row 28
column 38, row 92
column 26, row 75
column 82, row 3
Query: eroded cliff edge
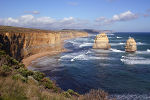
column 21, row 43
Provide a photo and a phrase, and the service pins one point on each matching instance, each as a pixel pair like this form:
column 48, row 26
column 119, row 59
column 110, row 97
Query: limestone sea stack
column 130, row 45
column 101, row 42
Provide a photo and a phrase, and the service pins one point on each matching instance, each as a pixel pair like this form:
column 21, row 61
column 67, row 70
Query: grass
column 19, row 83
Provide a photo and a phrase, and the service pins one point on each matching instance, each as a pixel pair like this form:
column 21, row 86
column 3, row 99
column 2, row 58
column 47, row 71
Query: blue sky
column 117, row 15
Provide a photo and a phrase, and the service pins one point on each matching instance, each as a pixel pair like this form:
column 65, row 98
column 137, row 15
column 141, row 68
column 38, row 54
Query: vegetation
column 19, row 83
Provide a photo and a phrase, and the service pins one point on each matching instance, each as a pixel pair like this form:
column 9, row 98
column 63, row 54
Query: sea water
column 123, row 75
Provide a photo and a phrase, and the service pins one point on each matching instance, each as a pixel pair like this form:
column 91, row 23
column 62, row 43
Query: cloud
column 148, row 10
column 32, row 12
column 126, row 16
column 45, row 22
column 111, row 0
column 146, row 15
column 31, row 21
column 73, row 3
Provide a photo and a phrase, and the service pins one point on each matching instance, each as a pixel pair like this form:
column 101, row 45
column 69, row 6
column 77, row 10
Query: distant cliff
column 24, row 42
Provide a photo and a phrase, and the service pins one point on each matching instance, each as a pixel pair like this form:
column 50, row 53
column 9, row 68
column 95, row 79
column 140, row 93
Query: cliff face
column 101, row 42
column 22, row 44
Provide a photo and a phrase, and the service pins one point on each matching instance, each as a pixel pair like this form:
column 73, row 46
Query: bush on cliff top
column 38, row 76
column 5, row 70
column 19, row 84
column 25, row 72
column 19, row 77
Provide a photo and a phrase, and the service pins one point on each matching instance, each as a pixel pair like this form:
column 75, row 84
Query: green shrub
column 8, row 58
column 21, row 65
column 71, row 92
column 38, row 76
column 56, row 89
column 47, row 83
column 2, row 52
column 1, row 45
column 14, row 61
column 67, row 94
column 19, row 77
column 25, row 72
column 5, row 70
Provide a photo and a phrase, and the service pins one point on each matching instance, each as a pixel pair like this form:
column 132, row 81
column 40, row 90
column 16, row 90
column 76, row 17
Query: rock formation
column 130, row 45
column 24, row 42
column 101, row 42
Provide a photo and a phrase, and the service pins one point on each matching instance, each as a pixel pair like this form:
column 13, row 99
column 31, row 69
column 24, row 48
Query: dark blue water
column 115, row 71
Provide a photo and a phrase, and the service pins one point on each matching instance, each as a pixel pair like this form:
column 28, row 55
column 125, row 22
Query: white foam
column 122, row 43
column 79, row 57
column 116, row 44
column 131, row 97
column 140, row 43
column 66, row 56
column 143, row 52
column 85, row 45
column 116, row 50
column 87, row 57
column 131, row 60
column 118, row 37
column 89, row 51
column 148, row 50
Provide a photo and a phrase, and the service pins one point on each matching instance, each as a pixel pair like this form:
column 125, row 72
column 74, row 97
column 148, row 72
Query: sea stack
column 101, row 42
column 130, row 45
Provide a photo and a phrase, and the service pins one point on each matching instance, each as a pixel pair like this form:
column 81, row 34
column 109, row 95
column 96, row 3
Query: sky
column 116, row 15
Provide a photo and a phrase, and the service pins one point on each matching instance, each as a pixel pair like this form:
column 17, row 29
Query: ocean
column 123, row 75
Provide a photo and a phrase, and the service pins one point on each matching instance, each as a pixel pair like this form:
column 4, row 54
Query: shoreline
column 28, row 61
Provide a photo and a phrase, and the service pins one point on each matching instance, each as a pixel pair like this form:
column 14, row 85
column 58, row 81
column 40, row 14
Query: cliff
column 130, row 45
column 101, row 42
column 24, row 42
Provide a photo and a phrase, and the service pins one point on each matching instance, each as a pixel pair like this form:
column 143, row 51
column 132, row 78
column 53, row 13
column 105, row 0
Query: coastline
column 27, row 61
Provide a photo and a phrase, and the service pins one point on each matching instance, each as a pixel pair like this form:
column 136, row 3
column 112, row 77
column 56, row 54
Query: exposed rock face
column 27, row 42
column 101, row 42
column 130, row 45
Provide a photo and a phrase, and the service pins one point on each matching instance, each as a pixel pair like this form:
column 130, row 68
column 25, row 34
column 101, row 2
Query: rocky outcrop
column 130, row 45
column 23, row 42
column 101, row 42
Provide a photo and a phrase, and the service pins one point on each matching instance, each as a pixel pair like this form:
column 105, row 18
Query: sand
column 27, row 61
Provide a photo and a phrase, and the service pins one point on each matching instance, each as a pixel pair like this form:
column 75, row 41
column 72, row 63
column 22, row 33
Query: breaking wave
column 86, row 57
column 131, row 97
column 140, row 43
column 118, row 37
column 131, row 60
column 85, row 45
column 116, row 50
column 148, row 50
column 116, row 44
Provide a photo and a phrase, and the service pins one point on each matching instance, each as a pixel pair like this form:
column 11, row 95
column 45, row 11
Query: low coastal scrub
column 19, row 83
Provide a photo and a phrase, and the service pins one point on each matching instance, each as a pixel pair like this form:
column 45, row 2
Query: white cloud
column 44, row 22
column 73, row 3
column 68, row 22
column 126, row 16
column 32, row 12
column 101, row 19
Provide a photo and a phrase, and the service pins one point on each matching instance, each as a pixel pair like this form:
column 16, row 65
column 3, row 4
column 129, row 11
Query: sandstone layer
column 101, row 42
column 21, row 43
column 130, row 45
